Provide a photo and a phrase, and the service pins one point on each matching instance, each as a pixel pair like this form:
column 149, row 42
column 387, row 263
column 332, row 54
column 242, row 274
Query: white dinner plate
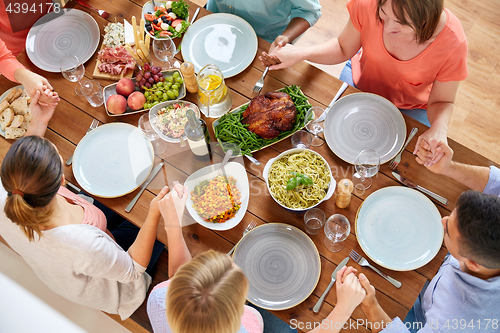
column 232, row 169
column 112, row 160
column 364, row 121
column 399, row 228
column 224, row 40
column 71, row 31
column 282, row 265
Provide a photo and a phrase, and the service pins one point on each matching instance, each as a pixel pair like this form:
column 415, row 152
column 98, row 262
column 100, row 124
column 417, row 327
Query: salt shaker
column 187, row 70
column 343, row 195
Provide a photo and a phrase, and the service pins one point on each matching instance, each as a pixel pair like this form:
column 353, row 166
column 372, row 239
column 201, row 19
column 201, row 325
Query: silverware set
column 93, row 126
column 363, row 262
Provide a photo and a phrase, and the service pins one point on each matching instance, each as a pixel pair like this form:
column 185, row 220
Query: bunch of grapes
column 147, row 76
column 163, row 91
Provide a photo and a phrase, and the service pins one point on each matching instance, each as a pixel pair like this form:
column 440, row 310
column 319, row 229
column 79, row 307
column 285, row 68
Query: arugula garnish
column 298, row 179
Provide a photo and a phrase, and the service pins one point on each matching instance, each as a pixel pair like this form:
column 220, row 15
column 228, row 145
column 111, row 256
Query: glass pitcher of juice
column 214, row 99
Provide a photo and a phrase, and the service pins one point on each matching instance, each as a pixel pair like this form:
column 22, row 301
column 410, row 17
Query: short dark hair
column 424, row 15
column 478, row 223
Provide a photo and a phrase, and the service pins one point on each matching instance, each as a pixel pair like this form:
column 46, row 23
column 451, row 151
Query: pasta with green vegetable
column 303, row 196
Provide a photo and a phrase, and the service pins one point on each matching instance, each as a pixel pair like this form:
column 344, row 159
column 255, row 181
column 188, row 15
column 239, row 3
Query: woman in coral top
column 412, row 52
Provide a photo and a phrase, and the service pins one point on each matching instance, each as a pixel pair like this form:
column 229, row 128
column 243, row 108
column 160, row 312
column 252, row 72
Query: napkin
column 129, row 33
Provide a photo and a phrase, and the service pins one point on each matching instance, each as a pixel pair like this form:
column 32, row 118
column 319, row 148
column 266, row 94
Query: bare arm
column 331, row 52
column 142, row 248
column 472, row 176
column 372, row 309
column 295, row 28
column 439, row 109
column 172, row 207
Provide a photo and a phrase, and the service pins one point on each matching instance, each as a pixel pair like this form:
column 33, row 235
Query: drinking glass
column 164, row 50
column 72, row 69
column 301, row 139
column 337, row 228
column 93, row 92
column 146, row 126
column 315, row 127
column 314, row 219
column 367, row 164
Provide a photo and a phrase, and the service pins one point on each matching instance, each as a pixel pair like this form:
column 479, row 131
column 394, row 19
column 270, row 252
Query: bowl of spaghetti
column 218, row 203
column 279, row 171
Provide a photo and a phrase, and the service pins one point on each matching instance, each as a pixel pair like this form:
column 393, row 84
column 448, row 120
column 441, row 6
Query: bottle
column 343, row 195
column 197, row 136
column 187, row 70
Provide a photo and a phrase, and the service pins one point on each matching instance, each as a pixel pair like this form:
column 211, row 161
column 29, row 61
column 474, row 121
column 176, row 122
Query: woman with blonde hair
column 61, row 236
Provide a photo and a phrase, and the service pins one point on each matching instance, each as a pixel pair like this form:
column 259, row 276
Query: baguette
column 17, row 121
column 16, row 95
column 4, row 105
column 6, row 118
column 20, row 106
column 14, row 133
column 9, row 98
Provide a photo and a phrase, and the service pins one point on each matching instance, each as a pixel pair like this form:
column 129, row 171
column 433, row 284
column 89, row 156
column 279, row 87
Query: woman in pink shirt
column 411, row 52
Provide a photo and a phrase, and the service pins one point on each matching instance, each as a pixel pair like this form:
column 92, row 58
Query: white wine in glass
column 367, row 165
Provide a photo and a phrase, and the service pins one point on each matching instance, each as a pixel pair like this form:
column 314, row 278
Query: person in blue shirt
column 463, row 296
column 277, row 21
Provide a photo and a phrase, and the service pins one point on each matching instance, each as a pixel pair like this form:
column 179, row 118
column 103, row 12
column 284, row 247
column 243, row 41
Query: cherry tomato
column 165, row 33
column 149, row 17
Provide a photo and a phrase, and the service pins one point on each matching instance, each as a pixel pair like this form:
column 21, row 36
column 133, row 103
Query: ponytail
column 31, row 173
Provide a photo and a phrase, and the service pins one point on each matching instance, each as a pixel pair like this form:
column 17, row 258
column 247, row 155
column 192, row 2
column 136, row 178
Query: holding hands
column 33, row 82
column 350, row 292
column 172, row 205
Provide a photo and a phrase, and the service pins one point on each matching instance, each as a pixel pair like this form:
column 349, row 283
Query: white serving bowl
column 331, row 188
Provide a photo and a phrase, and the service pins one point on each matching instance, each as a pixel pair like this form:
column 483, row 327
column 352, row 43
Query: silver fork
column 395, row 161
column 249, row 227
column 363, row 262
column 93, row 126
column 260, row 83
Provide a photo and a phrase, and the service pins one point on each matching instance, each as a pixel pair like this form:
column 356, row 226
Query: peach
column 136, row 100
column 116, row 104
column 125, row 87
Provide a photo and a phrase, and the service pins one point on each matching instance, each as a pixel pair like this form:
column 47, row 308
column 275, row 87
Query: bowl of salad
column 167, row 19
column 170, row 119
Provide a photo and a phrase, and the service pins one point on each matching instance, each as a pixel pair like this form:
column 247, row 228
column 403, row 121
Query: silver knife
column 334, row 278
column 143, row 186
column 340, row 92
column 409, row 184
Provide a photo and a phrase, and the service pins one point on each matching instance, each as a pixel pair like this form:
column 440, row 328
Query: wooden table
column 74, row 115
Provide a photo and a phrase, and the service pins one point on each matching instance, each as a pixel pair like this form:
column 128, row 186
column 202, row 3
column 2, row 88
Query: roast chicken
column 270, row 114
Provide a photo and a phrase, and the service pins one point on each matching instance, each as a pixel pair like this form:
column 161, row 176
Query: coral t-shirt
column 407, row 84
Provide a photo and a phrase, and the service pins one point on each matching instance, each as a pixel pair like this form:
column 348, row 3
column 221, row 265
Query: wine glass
column 315, row 127
column 301, row 139
column 146, row 126
column 337, row 228
column 164, row 50
column 72, row 69
column 367, row 165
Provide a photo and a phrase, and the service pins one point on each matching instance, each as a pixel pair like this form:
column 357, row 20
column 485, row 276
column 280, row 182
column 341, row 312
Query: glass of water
column 301, row 139
column 146, row 126
column 337, row 228
column 92, row 91
column 367, row 164
column 314, row 219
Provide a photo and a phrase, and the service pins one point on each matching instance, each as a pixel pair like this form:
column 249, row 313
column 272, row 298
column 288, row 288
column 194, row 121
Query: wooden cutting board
column 107, row 76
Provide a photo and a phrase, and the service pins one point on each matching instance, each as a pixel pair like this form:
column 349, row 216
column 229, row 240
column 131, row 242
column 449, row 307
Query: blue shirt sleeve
column 309, row 10
column 493, row 185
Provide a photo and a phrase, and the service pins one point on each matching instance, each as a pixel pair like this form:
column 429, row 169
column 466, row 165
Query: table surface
column 74, row 115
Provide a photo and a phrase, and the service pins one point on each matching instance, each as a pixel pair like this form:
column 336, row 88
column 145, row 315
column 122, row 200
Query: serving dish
column 149, row 8
column 225, row 40
column 2, row 131
column 112, row 160
column 267, row 167
column 153, row 113
column 399, row 228
column 232, row 169
column 110, row 90
column 70, row 31
column 264, row 143
column 364, row 121
column 281, row 263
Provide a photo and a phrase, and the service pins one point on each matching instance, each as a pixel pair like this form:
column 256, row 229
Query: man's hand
column 434, row 137
column 33, row 82
column 41, row 115
column 282, row 57
column 154, row 209
column 172, row 205
column 350, row 293
column 440, row 167
column 281, row 41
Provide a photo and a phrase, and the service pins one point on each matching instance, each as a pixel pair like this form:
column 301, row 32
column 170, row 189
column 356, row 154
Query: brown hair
column 207, row 294
column 423, row 14
column 33, row 170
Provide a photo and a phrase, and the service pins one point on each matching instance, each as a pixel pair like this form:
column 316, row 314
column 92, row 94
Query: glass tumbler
column 93, row 93
column 337, row 228
column 301, row 139
column 314, row 219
